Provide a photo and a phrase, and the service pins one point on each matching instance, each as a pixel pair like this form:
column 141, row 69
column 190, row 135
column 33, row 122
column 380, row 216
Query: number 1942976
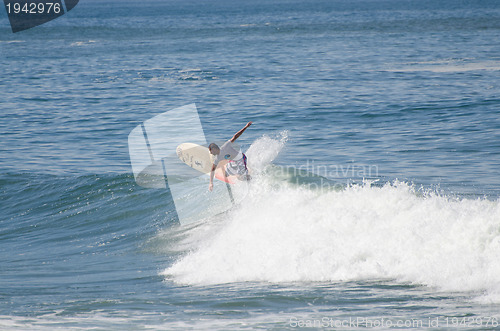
column 33, row 8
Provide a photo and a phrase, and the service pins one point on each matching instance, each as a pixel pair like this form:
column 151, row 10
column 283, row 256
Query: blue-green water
column 404, row 94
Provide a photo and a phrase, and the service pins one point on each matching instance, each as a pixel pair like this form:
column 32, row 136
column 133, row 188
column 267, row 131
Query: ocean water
column 375, row 149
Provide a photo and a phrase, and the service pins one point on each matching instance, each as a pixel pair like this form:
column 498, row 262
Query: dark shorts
column 237, row 168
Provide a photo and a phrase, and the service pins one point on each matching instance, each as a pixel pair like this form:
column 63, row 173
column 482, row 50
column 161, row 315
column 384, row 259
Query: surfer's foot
column 244, row 177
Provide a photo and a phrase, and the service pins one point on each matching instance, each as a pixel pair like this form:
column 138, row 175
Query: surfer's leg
column 243, row 174
column 246, row 177
column 243, row 170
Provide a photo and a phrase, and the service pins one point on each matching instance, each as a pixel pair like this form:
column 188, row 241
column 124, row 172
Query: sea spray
column 362, row 232
column 264, row 150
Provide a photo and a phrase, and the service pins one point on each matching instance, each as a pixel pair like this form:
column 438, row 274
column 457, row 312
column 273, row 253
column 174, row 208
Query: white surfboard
column 196, row 156
column 199, row 158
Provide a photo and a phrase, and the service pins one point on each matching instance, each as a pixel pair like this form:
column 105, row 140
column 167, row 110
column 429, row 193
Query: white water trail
column 293, row 233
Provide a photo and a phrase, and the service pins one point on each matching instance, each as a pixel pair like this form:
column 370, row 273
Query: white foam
column 292, row 233
column 83, row 43
column 126, row 320
column 264, row 150
column 450, row 66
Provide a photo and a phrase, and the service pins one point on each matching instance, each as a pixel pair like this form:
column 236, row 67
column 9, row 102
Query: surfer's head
column 214, row 149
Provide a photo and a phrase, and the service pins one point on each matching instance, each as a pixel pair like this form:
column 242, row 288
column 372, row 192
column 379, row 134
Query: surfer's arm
column 211, row 185
column 238, row 134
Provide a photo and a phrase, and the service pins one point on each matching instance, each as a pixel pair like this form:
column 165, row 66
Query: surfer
column 237, row 165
